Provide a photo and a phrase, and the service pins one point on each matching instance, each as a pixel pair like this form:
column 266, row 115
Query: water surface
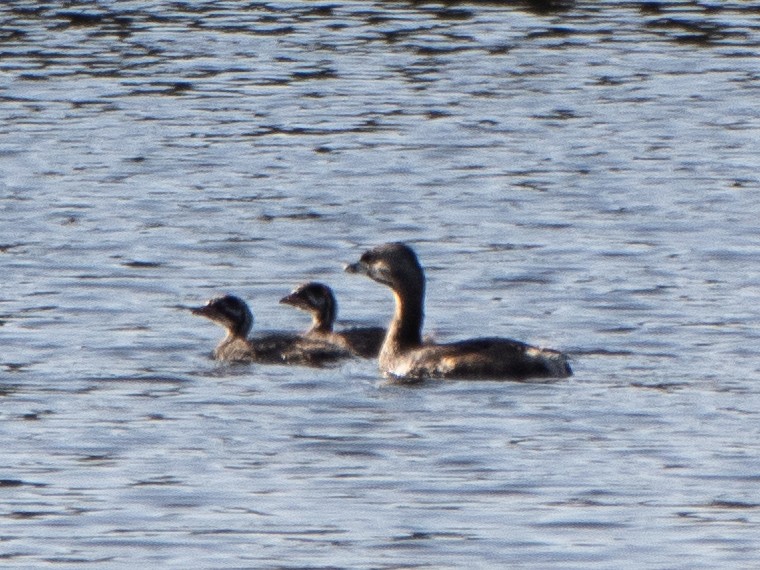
column 582, row 176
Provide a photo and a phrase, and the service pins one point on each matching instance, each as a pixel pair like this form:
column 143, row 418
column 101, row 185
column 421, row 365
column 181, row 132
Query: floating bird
column 319, row 301
column 234, row 315
column 403, row 354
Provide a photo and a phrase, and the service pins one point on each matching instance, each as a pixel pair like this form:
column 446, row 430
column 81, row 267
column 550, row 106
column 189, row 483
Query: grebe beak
column 201, row 311
column 358, row 268
column 292, row 299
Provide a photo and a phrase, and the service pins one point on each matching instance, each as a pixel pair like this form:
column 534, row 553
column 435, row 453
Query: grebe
column 403, row 353
column 318, row 300
column 233, row 314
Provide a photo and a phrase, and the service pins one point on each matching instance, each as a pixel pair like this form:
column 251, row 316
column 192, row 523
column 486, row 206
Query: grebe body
column 234, row 315
column 319, row 301
column 403, row 354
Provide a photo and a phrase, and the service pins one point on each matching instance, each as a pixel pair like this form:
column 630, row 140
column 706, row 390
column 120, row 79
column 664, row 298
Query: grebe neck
column 241, row 328
column 320, row 324
column 405, row 330
column 323, row 318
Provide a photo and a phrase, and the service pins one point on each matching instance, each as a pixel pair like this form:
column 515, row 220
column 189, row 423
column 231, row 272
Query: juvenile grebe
column 403, row 354
column 319, row 301
column 233, row 314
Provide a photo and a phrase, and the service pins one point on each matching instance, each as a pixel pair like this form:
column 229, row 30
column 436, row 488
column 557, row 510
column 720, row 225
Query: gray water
column 582, row 178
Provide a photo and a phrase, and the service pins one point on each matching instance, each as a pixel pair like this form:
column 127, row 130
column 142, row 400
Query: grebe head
column 230, row 312
column 392, row 264
column 316, row 299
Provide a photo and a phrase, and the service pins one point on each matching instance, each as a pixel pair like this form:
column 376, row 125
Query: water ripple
column 573, row 174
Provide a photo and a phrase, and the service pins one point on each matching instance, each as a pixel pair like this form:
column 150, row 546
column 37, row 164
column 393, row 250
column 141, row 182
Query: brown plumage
column 319, row 301
column 233, row 314
column 403, row 354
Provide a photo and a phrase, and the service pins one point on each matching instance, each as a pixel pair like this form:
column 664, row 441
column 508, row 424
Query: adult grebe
column 319, row 301
column 233, row 314
column 403, row 354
